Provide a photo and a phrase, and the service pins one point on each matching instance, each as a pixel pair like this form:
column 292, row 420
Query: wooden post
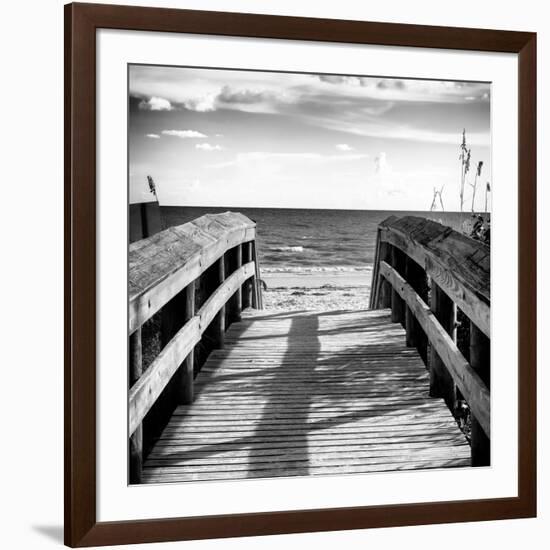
column 441, row 382
column 257, row 292
column 136, row 439
column 234, row 304
column 397, row 303
column 480, row 359
column 415, row 275
column 247, row 285
column 254, row 280
column 218, row 323
column 186, row 370
column 410, row 322
column 384, row 300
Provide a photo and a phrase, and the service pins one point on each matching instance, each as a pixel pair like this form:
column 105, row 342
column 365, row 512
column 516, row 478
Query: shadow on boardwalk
column 308, row 393
column 306, row 324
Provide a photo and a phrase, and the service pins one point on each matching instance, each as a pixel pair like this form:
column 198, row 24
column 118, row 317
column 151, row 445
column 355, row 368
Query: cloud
column 339, row 79
column 406, row 90
column 344, row 147
column 244, row 95
column 381, row 165
column 235, row 98
column 331, row 79
column 388, row 108
column 184, row 134
column 155, row 104
column 153, row 136
column 378, row 127
column 201, row 104
column 208, row 147
column 391, row 84
column 253, row 158
column 243, row 98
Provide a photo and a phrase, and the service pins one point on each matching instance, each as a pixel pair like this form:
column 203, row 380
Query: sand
column 316, row 291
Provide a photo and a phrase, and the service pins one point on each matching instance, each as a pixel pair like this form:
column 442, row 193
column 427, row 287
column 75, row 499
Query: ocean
column 299, row 240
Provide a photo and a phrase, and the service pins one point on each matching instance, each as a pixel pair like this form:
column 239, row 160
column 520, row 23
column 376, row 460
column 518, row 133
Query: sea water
column 308, row 240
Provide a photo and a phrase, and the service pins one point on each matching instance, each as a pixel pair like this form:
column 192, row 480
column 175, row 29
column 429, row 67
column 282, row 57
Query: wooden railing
column 194, row 279
column 426, row 272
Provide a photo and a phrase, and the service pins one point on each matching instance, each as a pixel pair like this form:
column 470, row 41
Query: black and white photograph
column 309, row 274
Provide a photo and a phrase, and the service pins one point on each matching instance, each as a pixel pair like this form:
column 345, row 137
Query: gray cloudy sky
column 243, row 138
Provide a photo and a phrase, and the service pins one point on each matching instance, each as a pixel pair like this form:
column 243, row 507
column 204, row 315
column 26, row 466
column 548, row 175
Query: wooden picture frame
column 81, row 23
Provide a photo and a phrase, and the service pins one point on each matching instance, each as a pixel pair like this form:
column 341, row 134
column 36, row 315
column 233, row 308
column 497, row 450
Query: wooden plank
column 189, row 447
column 274, row 437
column 242, row 454
column 146, row 390
column 314, row 461
column 468, row 381
column 412, row 420
column 395, row 411
column 187, row 442
column 165, row 475
column 208, row 436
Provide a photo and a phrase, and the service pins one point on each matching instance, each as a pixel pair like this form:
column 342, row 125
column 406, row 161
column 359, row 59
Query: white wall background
column 31, row 397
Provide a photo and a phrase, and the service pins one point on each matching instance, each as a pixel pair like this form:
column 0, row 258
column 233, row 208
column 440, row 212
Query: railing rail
column 459, row 265
column 165, row 272
column 424, row 271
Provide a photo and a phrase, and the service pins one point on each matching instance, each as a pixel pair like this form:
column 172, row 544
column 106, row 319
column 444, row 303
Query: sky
column 218, row 137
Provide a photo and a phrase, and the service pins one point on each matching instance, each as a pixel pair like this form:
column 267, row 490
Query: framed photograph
column 280, row 236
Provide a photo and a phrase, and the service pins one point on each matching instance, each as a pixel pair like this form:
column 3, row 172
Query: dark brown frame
column 81, row 23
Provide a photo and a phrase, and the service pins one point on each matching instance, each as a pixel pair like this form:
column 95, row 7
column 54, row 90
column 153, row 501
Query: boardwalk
column 307, row 393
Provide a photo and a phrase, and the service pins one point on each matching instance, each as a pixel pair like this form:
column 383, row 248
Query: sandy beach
column 316, row 290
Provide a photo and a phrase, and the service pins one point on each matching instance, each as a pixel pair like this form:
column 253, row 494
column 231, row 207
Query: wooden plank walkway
column 308, row 393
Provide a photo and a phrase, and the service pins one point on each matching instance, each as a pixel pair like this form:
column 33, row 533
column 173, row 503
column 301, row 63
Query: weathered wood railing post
column 257, row 302
column 235, row 302
column 136, row 440
column 444, row 310
column 218, row 324
column 416, row 277
column 187, row 374
column 385, row 291
column 398, row 306
column 480, row 359
column 247, row 286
